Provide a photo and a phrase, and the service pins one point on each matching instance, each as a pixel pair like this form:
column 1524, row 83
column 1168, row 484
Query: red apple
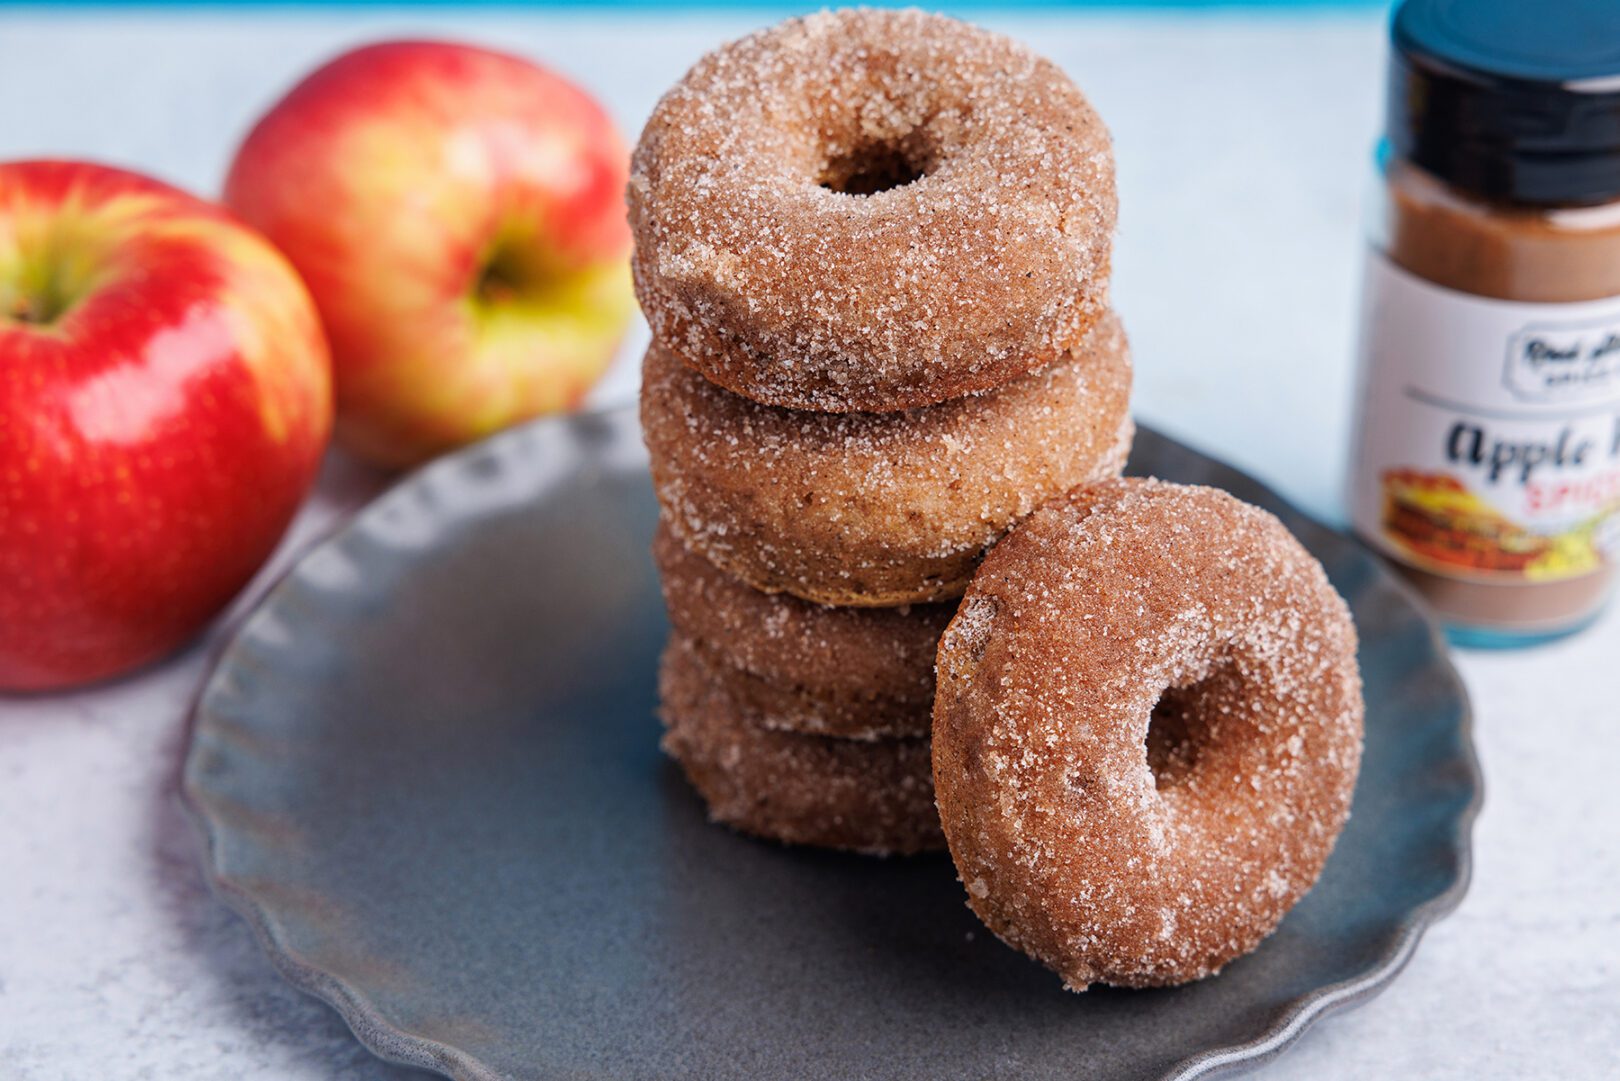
column 164, row 400
column 459, row 217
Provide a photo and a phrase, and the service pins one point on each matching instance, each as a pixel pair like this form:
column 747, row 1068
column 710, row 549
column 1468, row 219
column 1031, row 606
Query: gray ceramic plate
column 427, row 773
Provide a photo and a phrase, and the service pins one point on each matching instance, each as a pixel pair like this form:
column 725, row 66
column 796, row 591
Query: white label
column 1488, row 444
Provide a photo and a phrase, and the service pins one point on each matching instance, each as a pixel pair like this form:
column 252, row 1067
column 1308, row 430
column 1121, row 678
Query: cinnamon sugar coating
column 768, row 259
column 1111, row 844
column 855, row 673
column 877, row 509
column 873, row 797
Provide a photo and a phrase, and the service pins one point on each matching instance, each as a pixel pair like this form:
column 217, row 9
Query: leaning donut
column 877, row 509
column 1146, row 732
column 871, row 210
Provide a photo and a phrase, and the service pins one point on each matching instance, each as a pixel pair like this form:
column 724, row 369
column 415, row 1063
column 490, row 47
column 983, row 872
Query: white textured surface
column 1243, row 147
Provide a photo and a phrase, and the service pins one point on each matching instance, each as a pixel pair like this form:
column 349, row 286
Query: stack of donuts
column 873, row 248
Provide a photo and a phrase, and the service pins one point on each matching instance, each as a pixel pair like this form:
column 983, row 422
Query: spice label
column 1488, row 444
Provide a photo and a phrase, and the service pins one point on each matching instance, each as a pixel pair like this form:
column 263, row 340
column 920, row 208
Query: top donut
column 870, row 211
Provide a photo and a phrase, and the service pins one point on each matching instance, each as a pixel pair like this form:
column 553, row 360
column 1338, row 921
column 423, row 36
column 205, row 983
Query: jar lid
column 1512, row 100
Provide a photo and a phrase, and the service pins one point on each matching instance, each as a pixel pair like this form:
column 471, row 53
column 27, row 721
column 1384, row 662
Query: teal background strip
column 1048, row 6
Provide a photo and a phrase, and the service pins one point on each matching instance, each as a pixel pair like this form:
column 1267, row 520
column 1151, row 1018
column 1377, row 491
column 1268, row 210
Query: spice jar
column 1487, row 457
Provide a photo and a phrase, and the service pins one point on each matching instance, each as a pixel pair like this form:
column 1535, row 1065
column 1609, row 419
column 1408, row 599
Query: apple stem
column 32, row 307
column 22, row 309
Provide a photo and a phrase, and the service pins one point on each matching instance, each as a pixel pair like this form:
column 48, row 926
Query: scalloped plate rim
column 396, row 1045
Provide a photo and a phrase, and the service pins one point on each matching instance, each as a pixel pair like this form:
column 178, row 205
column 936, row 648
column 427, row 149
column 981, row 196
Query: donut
column 871, row 210
column 877, row 509
column 855, row 673
column 872, row 797
column 1146, row 732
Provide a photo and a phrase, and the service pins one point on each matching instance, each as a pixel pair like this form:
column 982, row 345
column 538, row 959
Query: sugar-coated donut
column 1146, row 733
column 877, row 509
column 871, row 210
column 873, row 797
column 855, row 673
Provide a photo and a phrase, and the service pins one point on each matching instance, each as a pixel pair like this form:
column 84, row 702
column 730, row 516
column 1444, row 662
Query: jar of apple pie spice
column 1487, row 457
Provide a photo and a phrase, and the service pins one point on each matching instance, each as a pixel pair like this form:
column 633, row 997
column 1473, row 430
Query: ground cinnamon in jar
column 1487, row 464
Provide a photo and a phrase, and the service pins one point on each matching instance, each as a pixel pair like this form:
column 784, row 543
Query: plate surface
column 426, row 770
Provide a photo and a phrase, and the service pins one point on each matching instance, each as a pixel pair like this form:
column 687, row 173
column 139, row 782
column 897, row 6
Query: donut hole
column 1179, row 732
column 872, row 167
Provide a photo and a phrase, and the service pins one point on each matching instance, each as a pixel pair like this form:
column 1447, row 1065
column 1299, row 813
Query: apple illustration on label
column 165, row 398
column 458, row 215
